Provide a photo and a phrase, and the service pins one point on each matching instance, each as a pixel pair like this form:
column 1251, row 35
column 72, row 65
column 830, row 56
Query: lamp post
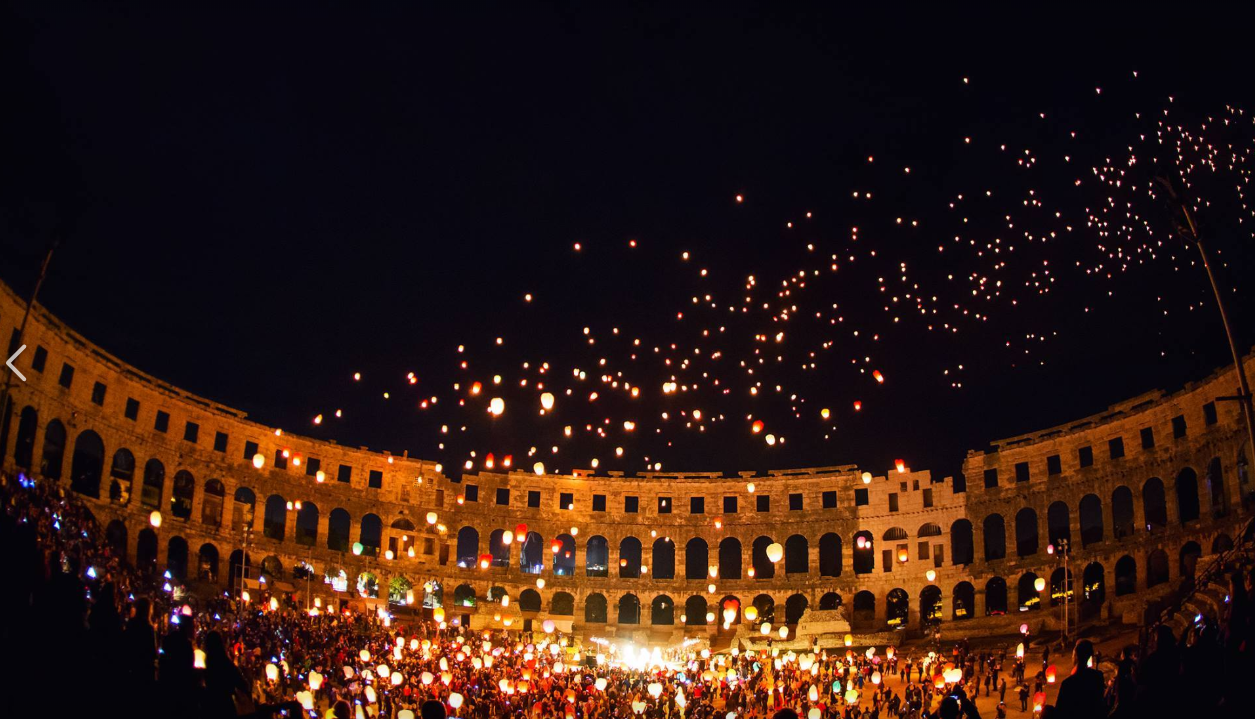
column 1061, row 546
column 246, row 532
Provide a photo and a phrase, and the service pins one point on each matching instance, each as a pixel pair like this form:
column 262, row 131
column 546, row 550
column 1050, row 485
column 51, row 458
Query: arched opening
column 766, row 607
column 176, row 558
column 1122, row 512
column 1058, row 523
column 962, row 548
column 996, row 597
column 115, row 538
column 54, row 450
column 368, row 585
column 1154, row 506
column 146, row 551
column 1059, row 584
column 1217, row 489
column 529, row 600
column 995, row 537
column 662, row 610
column 1222, row 543
column 370, row 534
column 794, row 608
column 930, row 603
column 894, row 534
column 695, row 611
column 207, row 563
column 662, row 559
column 275, row 518
column 239, row 566
column 1126, row 576
column 630, row 560
column 595, row 609
column 563, row 604
column 401, row 538
column 564, row 557
column 24, row 449
column 272, row 569
column 532, row 553
column 597, row 558
column 796, row 555
column 122, row 472
column 1091, row 520
column 1027, row 595
column 1094, row 585
column 433, row 594
column 864, row 559
column 730, row 558
column 697, row 559
column 339, row 526
column 182, row 491
column 245, row 504
column 399, row 590
column 1026, row 532
column 830, row 555
column 964, row 600
column 307, row 524
column 1187, row 495
column 468, row 547
column 729, row 606
column 1188, row 559
column 829, row 602
column 763, row 567
column 864, row 609
column 211, row 505
column 154, row 484
column 629, row 608
column 1156, row 568
column 897, row 607
column 463, row 596
column 87, row 464
column 498, row 549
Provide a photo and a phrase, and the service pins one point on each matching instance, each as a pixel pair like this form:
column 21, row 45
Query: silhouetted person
column 223, row 680
column 140, row 641
column 1081, row 694
column 433, row 709
column 785, row 714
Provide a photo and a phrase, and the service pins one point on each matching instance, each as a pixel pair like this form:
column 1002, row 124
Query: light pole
column 1061, row 546
column 247, row 533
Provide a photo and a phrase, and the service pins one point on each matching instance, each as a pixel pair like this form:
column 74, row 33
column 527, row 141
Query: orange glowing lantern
column 1051, row 672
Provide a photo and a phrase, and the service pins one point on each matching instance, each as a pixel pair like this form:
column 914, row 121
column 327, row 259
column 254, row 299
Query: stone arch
column 243, row 508
column 897, row 607
column 662, row 610
column 1154, row 506
column 929, row 529
column 1026, row 532
column 24, row 448
column 733, row 603
column 463, row 596
column 730, row 558
column 87, row 464
column 962, row 546
column 996, row 596
column 115, row 538
column 697, row 559
column 864, row 608
column 367, row 585
column 964, row 601
column 630, row 559
column 122, row 474
column 930, row 603
column 597, row 558
column 894, row 534
column 1094, row 584
column 595, row 609
column 498, row 549
column 275, row 519
column 531, row 553
column 564, row 556
column 629, row 608
column 211, row 506
column 176, row 557
column 1217, row 489
column 1059, row 584
column 339, row 529
column 830, row 555
column 766, row 607
column 562, row 604
column 662, row 559
column 307, row 524
column 239, row 565
column 207, row 563
column 829, row 601
column 1186, row 487
column 1027, row 596
column 1058, row 523
column 864, row 553
column 1222, row 543
column 154, row 484
column 1187, row 559
column 1126, row 576
column 1091, row 520
column 796, row 555
column 794, row 607
column 54, row 450
column 272, row 568
column 468, row 547
column 1156, row 568
column 695, row 609
column 370, row 534
column 529, row 600
column 146, row 551
column 763, row 567
column 1122, row 512
column 995, row 537
column 182, row 492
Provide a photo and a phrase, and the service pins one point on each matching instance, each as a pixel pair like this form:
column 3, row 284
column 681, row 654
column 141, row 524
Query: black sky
column 255, row 203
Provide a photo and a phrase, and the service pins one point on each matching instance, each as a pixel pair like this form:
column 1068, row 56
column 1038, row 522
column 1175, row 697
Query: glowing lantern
column 364, row 655
column 771, row 440
column 749, row 487
column 358, row 547
column 861, row 542
column 507, row 537
column 931, row 575
column 155, row 519
column 320, row 476
column 1039, row 584
column 939, row 681
column 953, row 675
column 851, row 696
column 259, row 460
column 198, row 659
column 555, row 546
column 540, row 582
column 879, row 377
column 875, row 677
column 1024, row 629
column 315, row 681
column 900, row 465
column 272, row 672
column 751, row 613
column 432, row 517
column 889, row 652
column 867, row 477
column 813, row 693
column 1039, row 701
column 849, row 640
column 654, row 689
column 729, row 614
column 903, row 555
column 600, row 684
column 546, row 401
column 455, row 700
column 857, row 405
column 765, row 629
column 485, row 560
column 710, row 617
column 274, row 604
column 427, row 678
column 824, row 413
column 1050, row 674
column 438, row 614
column 496, row 406
column 814, row 713
column 1019, row 650
column 784, row 632
column 775, row 552
column 539, row 468
column 757, row 426
column 548, row 625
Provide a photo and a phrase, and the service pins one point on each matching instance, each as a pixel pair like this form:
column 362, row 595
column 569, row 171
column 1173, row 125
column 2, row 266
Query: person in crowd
column 1081, row 694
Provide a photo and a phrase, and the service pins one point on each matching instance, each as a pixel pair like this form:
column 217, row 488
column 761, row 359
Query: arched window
column 762, row 566
column 563, row 605
column 1188, row 559
column 464, row 596
column 272, row 568
column 54, row 450
column 930, row 603
column 182, row 492
column 794, row 607
column 1026, row 532
column 1156, row 568
column 962, row 550
column 87, row 464
column 1094, row 590
column 275, row 519
column 1029, row 597
column 796, row 555
column 1091, row 520
column 662, row 610
column 468, row 547
column 897, row 607
column 176, row 558
column 894, row 534
column 27, row 425
column 630, row 560
column 242, row 510
column 207, row 563
column 1154, row 505
column 1126, row 576
column 497, row 547
column 211, row 505
column 1058, row 585
column 371, row 534
column 532, row 553
column 766, row 607
column 629, row 609
column 729, row 558
column 1217, row 489
column 154, row 484
column 1187, row 495
column 1121, row 512
column 929, row 529
column 829, row 602
column 830, row 555
column 146, row 551
column 995, row 538
column 339, row 529
column 595, row 609
column 696, row 559
column 695, row 611
column 864, row 555
column 115, row 538
column 529, row 600
column 564, row 558
column 996, row 596
column 597, row 560
column 662, row 559
column 964, row 600
column 122, row 470
column 307, row 524
column 864, row 609
column 1058, row 523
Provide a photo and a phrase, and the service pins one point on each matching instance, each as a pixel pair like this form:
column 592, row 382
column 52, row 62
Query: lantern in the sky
column 751, row 613
column 546, row 401
column 775, row 552
column 1039, row 584
column 849, row 640
column 455, row 700
column 1051, row 673
column 155, row 519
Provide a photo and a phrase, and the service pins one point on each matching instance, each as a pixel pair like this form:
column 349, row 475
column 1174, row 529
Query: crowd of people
column 88, row 634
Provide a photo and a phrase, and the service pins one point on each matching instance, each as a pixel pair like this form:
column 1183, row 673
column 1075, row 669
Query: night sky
column 255, row 205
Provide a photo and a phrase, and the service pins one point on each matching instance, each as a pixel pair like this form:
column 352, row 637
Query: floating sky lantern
column 1039, row 584
column 155, row 519
column 1019, row 650
column 757, row 426
column 751, row 613
column 931, row 575
column 903, row 555
column 867, row 477
column 775, row 552
column 259, row 460
column 849, row 640
column 546, row 401
column 765, row 629
column 861, row 542
column 272, row 672
column 771, row 440
column 539, row 468
column 455, row 700
column 507, row 537
column 879, row 377
column 496, row 406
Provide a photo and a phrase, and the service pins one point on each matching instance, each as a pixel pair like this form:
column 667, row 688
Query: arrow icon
column 9, row 363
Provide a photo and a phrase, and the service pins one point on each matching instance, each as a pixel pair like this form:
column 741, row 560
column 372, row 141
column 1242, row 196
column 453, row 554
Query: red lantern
column 1050, row 674
column 939, row 681
column 520, row 531
column 622, row 562
column 1039, row 702
column 485, row 561
column 555, row 546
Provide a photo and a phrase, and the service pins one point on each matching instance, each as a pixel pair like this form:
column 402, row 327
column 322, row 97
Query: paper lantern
column 520, row 530
column 851, row 696
column 1024, row 629
column 507, row 537
column 775, row 552
column 413, row 645
column 867, row 477
column 729, row 614
column 358, row 548
column 751, row 613
column 405, row 714
column 306, row 700
column 889, row 652
column 813, row 713
column 876, row 677
column 540, row 582
column 939, row 681
column 1050, row 674
column 259, row 460
column 1039, row 701
column 315, row 681
column 426, row 678
column 749, row 487
column 548, row 625
column 438, row 614
column 654, row 689
column 555, row 546
column 813, row 693
column 784, row 632
column 849, row 640
column 198, row 659
column 496, row 406
column 600, row 684
column 638, row 707
column 432, row 517
column 272, row 672
column 485, row 561
column 903, row 555
column 931, row 575
column 155, row 519
column 539, row 468
column 1019, row 650
column 455, row 700
column 1039, row 584
column 953, row 675
column 765, row 629
column 546, row 401
column 397, row 678
column 861, row 542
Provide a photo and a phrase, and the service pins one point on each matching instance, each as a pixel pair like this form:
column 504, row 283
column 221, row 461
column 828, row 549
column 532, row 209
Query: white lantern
column 259, row 460
column 775, row 552
column 155, row 519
